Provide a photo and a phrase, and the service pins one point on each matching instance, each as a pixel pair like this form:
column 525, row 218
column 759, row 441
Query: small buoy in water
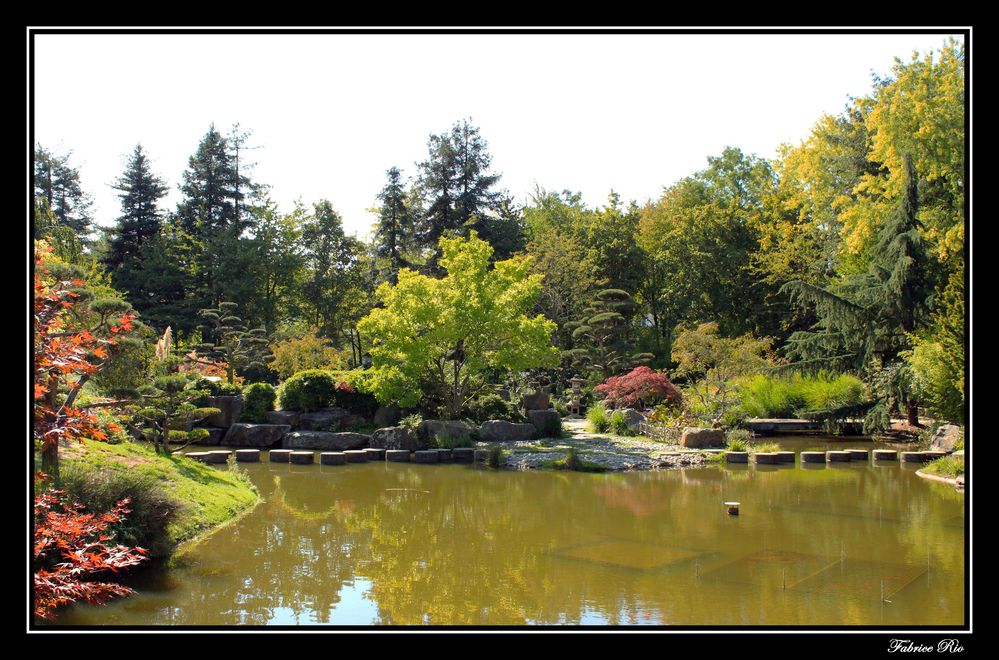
column 733, row 508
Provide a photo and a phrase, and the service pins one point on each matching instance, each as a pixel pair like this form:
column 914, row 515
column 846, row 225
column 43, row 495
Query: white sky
column 331, row 113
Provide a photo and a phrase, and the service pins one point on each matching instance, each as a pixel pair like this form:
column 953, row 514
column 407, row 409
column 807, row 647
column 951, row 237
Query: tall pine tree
column 58, row 184
column 139, row 191
column 456, row 186
column 394, row 230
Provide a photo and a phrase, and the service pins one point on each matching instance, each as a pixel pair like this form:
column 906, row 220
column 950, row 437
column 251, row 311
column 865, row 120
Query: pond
column 406, row 544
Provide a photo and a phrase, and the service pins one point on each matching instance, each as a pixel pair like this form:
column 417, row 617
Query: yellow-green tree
column 447, row 333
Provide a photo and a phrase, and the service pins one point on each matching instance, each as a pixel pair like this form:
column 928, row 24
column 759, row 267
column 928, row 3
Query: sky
column 329, row 114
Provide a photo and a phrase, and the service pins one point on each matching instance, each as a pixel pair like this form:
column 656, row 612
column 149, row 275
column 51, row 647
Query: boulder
column 231, row 407
column 431, row 428
column 946, row 437
column 214, row 438
column 544, row 420
column 697, row 438
column 396, row 437
column 255, row 435
column 289, row 417
column 496, row 430
column 633, row 419
column 387, row 415
column 325, row 440
column 537, row 401
column 325, row 419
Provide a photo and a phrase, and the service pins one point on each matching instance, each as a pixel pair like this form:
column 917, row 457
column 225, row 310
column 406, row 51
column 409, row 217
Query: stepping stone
column 397, row 455
column 463, row 454
column 913, row 457
column 375, row 454
column 279, row 455
column 785, row 456
column 766, row 458
column 217, row 457
column 356, row 456
column 481, row 455
column 427, row 456
column 200, row 456
column 838, row 456
column 332, row 458
column 813, row 457
column 248, row 455
column 444, row 455
column 885, row 455
column 858, row 454
column 302, row 457
column 737, row 457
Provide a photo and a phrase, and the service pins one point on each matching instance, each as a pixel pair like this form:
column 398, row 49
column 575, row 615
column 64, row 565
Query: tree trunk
column 50, row 461
column 912, row 413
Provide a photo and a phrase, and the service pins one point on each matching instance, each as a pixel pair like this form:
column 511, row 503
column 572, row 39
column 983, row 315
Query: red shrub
column 72, row 553
column 642, row 383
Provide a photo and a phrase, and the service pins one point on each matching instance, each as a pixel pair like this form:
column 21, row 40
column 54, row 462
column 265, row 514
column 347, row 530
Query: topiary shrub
column 258, row 400
column 308, row 391
column 489, row 406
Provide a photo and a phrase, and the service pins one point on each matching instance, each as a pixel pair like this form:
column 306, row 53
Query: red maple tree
column 72, row 552
column 64, row 360
column 640, row 384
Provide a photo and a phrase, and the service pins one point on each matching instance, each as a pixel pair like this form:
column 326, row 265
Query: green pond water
column 406, row 544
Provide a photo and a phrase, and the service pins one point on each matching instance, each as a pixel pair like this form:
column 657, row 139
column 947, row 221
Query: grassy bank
column 948, row 466
column 174, row 499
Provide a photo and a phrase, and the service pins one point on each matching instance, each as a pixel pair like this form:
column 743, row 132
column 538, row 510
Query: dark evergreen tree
column 456, row 186
column 211, row 187
column 139, row 190
column 600, row 336
column 334, row 273
column 58, row 184
column 866, row 321
column 394, row 230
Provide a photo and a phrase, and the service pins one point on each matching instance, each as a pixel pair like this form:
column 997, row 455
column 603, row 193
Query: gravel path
column 612, row 452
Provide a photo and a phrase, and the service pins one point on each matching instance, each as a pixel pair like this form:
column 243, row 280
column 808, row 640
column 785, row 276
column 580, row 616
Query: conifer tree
column 235, row 345
column 58, row 184
column 866, row 321
column 600, row 336
column 456, row 186
column 395, row 224
column 139, row 191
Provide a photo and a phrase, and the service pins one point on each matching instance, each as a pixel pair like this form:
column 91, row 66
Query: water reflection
column 454, row 545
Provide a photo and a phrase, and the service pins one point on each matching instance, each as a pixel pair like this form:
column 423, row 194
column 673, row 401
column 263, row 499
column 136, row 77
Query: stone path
column 611, row 452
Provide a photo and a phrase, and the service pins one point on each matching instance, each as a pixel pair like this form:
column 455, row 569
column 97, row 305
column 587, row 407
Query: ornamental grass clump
column 619, row 424
column 495, row 456
column 599, row 420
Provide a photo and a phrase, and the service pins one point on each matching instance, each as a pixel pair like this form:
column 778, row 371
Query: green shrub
column 308, row 391
column 217, row 388
column 495, row 456
column 352, row 393
column 412, row 422
column 619, row 424
column 738, row 435
column 152, row 508
column 447, row 441
column 552, row 429
column 598, row 419
column 488, row 406
column 572, row 461
column 258, row 400
column 738, row 445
